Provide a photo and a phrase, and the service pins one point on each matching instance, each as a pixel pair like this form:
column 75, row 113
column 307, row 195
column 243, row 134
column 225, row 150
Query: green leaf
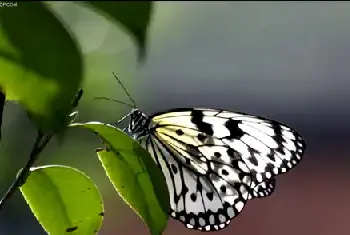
column 40, row 64
column 134, row 16
column 64, row 200
column 134, row 175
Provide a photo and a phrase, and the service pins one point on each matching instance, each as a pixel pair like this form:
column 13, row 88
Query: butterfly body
column 215, row 160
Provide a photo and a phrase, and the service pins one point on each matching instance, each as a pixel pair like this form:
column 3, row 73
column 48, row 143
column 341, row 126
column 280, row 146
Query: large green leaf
column 40, row 64
column 134, row 175
column 134, row 16
column 64, row 200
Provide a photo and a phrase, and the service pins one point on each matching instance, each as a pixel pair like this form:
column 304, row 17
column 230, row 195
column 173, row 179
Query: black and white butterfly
column 215, row 160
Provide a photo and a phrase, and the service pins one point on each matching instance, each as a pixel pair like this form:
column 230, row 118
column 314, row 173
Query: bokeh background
column 288, row 61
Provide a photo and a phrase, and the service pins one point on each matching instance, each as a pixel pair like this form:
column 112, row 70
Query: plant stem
column 2, row 104
column 40, row 143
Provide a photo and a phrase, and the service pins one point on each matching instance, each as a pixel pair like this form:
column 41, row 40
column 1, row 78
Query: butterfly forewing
column 267, row 147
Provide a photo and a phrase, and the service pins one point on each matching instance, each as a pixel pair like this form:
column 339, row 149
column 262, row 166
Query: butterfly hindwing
column 203, row 199
column 263, row 189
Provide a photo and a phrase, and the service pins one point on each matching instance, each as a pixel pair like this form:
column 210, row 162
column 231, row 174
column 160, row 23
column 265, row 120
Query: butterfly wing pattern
column 215, row 160
column 263, row 189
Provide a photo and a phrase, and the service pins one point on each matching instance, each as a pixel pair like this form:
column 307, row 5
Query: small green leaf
column 134, row 175
column 40, row 64
column 134, row 16
column 64, row 200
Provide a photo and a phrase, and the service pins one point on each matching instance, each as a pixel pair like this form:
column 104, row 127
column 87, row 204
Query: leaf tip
column 141, row 57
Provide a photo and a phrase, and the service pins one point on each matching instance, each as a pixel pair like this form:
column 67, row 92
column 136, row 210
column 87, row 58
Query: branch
column 2, row 104
column 39, row 145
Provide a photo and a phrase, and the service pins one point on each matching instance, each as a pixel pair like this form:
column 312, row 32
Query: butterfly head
column 139, row 124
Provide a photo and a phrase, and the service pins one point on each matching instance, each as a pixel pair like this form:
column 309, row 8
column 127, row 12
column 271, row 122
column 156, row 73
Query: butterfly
column 215, row 160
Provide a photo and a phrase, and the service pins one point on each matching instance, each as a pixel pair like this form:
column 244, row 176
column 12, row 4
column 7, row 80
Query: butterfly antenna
column 118, row 101
column 126, row 91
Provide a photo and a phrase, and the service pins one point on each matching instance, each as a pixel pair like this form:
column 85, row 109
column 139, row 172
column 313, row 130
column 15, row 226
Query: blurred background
column 288, row 61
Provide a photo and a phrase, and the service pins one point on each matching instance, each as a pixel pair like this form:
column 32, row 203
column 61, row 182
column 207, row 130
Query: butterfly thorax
column 139, row 124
